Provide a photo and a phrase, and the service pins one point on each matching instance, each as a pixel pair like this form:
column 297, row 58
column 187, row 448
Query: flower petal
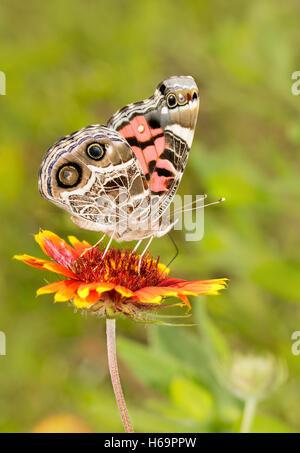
column 46, row 265
column 67, row 292
column 163, row 269
column 51, row 288
column 64, row 289
column 56, row 248
column 124, row 291
column 81, row 303
column 79, row 246
column 196, row 287
column 153, row 294
column 118, row 267
column 101, row 287
column 171, row 281
column 185, row 300
column 178, row 288
column 93, row 297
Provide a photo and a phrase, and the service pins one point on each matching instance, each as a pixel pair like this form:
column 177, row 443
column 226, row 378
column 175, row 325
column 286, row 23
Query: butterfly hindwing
column 103, row 192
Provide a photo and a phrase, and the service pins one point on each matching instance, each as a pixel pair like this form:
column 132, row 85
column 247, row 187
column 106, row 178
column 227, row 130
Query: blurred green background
column 71, row 63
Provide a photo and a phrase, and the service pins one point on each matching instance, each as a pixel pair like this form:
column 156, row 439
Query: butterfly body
column 121, row 178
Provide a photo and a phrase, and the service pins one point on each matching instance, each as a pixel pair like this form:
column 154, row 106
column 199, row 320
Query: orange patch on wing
column 150, row 154
column 141, row 158
column 141, row 128
column 160, row 183
column 159, row 145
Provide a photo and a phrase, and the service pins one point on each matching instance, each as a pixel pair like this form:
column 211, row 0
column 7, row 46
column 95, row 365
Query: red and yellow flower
column 113, row 282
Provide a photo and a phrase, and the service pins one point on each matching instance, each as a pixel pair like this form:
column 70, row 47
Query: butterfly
column 121, row 178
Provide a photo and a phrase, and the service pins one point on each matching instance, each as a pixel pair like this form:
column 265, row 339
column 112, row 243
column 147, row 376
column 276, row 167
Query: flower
column 255, row 376
column 112, row 282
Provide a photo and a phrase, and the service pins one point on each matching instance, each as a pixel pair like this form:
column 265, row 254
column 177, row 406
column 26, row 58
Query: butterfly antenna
column 203, row 206
column 176, row 250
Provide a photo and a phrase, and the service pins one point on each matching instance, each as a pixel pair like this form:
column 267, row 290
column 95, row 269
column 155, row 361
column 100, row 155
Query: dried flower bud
column 255, row 376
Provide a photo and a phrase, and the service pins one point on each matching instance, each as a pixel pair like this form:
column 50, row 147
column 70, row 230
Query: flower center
column 119, row 266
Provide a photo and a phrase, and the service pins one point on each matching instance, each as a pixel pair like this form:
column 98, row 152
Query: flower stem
column 114, row 373
column 248, row 415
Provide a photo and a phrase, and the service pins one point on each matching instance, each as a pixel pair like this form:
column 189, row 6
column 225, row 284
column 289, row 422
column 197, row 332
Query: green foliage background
column 73, row 63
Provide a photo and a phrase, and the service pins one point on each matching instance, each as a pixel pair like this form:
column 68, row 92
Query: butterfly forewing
column 160, row 133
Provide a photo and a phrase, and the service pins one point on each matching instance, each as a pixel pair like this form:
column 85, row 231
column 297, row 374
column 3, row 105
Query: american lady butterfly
column 121, row 178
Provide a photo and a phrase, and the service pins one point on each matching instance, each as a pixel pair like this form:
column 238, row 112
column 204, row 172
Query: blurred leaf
column 212, row 335
column 183, row 345
column 158, row 418
column 154, row 368
column 281, row 278
column 193, row 399
column 11, row 172
column 237, row 190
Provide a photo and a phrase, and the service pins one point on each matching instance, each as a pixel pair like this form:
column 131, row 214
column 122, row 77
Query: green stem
column 114, row 373
column 248, row 415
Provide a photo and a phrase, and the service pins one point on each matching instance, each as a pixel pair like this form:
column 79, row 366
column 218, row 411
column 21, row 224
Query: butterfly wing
column 94, row 175
column 160, row 131
column 146, row 148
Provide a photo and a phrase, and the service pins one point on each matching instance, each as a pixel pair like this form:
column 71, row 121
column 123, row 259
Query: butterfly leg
column 100, row 240
column 144, row 251
column 95, row 245
column 108, row 245
column 137, row 245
